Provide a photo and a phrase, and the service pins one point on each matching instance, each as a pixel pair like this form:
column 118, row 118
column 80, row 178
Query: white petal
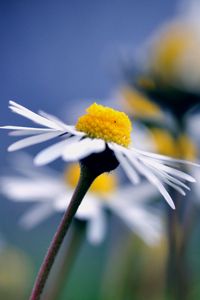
column 69, row 128
column 142, row 193
column 168, row 169
column 53, row 152
column 165, row 176
column 32, row 140
column 54, row 119
column 23, row 111
column 176, row 187
column 36, row 215
column 143, row 221
column 20, row 130
column 89, row 207
column 23, row 189
column 152, row 178
column 96, row 229
column 165, row 158
column 129, row 170
column 62, row 201
column 32, row 131
column 83, row 148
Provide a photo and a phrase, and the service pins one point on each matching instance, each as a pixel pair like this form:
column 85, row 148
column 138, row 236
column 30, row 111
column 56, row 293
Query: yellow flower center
column 174, row 43
column 106, row 123
column 166, row 144
column 139, row 105
column 187, row 148
column 104, row 184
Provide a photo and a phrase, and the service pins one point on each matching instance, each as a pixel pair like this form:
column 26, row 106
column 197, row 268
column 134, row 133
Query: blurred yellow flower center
column 187, row 148
column 139, row 105
column 166, row 144
column 105, row 123
column 174, row 43
column 105, row 183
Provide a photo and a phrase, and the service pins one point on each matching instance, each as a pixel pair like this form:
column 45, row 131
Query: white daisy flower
column 52, row 193
column 102, row 130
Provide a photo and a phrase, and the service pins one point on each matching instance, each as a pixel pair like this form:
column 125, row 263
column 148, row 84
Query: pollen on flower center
column 106, row 123
column 103, row 184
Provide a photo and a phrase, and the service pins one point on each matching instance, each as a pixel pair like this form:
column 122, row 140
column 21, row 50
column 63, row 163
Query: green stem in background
column 172, row 253
column 177, row 284
column 118, row 271
column 65, row 261
column 85, row 180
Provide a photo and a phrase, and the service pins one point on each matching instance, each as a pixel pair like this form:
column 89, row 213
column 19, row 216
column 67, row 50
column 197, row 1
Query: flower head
column 106, row 123
column 96, row 149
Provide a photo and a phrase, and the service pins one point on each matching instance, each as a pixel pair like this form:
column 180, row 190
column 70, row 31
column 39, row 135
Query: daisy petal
column 136, row 218
column 23, row 111
column 69, row 128
column 32, row 140
column 83, row 148
column 153, row 179
column 128, row 169
column 169, row 170
column 53, row 152
column 165, row 158
column 96, row 228
column 30, row 131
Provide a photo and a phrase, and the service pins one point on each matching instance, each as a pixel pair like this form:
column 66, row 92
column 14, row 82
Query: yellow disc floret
column 103, row 184
column 105, row 123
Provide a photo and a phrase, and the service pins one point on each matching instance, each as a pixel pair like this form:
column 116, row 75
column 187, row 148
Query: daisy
column 102, row 139
column 52, row 193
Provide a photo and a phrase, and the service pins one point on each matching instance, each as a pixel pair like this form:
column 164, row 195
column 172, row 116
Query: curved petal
column 152, row 178
column 96, row 228
column 32, row 140
column 128, row 169
column 143, row 221
column 25, row 112
column 82, row 148
column 164, row 158
column 54, row 151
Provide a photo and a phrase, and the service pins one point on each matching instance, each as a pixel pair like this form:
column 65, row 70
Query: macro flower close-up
column 100, row 150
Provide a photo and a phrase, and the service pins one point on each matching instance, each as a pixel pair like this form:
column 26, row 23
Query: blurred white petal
column 96, row 228
column 36, row 215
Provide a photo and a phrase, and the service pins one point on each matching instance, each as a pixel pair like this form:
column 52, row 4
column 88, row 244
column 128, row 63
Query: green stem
column 68, row 253
column 85, row 180
column 177, row 266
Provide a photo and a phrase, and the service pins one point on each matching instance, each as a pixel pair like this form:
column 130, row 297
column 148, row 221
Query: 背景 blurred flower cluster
column 156, row 143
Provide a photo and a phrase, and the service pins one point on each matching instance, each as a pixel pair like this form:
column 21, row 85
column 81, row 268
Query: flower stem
column 85, row 180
